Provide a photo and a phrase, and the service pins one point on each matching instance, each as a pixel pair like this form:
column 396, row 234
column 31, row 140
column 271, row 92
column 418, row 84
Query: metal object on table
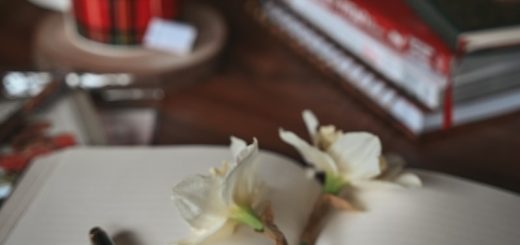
column 99, row 237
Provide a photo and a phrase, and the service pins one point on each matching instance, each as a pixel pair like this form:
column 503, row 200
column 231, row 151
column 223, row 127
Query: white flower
column 214, row 204
column 352, row 159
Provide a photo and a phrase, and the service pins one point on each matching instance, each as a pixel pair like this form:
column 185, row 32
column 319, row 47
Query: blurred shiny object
column 24, row 84
column 94, row 81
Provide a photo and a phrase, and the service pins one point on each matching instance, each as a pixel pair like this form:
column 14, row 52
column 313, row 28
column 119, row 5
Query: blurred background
column 438, row 81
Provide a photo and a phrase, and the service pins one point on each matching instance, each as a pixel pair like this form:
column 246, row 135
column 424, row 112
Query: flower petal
column 220, row 172
column 408, row 180
column 198, row 203
column 391, row 166
column 312, row 123
column 357, row 155
column 326, row 136
column 216, row 232
column 241, row 185
column 394, row 172
column 321, row 160
column 237, row 145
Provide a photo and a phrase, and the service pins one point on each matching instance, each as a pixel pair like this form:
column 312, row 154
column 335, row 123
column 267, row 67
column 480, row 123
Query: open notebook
column 63, row 195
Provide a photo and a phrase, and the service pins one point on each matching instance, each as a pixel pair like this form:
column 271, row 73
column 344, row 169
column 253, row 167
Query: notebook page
column 17, row 203
column 445, row 211
column 129, row 189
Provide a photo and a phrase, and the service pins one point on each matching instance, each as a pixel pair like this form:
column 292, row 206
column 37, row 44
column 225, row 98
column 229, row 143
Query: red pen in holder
column 120, row 22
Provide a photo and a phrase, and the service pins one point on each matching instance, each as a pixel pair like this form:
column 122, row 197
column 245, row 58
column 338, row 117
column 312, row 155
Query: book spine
column 396, row 25
column 423, row 84
column 441, row 25
column 349, row 69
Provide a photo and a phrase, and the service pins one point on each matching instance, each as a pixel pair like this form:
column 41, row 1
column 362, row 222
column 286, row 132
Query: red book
column 394, row 23
column 391, row 38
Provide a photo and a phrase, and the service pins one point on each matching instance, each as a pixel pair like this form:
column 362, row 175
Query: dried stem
column 338, row 202
column 270, row 228
column 323, row 205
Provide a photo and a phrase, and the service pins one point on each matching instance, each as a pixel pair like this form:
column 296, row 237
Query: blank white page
column 445, row 211
column 129, row 189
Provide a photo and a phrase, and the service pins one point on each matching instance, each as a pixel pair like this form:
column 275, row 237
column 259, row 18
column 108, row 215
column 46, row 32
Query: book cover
column 396, row 24
column 470, row 25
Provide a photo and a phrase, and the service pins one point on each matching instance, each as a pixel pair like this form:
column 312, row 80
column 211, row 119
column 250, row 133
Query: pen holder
column 119, row 22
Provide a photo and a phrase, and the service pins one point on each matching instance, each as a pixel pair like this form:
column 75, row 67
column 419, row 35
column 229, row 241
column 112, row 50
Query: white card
column 56, row 5
column 170, row 36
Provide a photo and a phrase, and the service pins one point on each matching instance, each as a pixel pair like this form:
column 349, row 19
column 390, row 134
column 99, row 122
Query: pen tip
column 99, row 237
column 95, row 230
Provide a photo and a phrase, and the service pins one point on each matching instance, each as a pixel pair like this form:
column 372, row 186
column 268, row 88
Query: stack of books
column 427, row 64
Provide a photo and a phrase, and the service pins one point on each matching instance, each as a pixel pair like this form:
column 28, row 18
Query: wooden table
column 261, row 86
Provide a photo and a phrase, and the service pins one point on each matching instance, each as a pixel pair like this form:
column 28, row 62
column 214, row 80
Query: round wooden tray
column 58, row 47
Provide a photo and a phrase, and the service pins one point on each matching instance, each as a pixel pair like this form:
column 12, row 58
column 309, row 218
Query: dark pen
column 99, row 237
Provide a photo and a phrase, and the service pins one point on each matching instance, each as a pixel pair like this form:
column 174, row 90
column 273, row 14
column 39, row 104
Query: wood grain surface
column 260, row 85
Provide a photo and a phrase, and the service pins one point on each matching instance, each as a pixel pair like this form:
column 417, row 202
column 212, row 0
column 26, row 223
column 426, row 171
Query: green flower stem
column 333, row 184
column 247, row 216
